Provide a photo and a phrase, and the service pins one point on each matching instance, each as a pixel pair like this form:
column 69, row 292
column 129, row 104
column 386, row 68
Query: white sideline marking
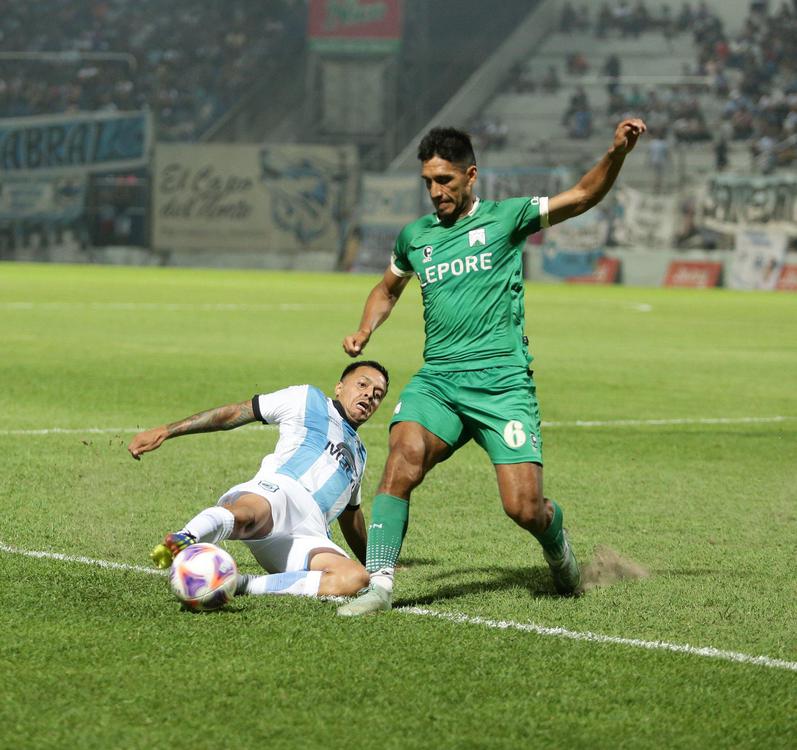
column 175, row 306
column 576, row 423
column 574, row 635
column 84, row 560
column 527, row 627
column 659, row 422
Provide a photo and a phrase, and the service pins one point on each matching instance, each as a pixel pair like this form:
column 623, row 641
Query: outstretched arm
column 378, row 306
column 594, row 185
column 222, row 418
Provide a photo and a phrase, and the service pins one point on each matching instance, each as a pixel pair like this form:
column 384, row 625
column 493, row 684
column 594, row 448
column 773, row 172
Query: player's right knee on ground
column 344, row 582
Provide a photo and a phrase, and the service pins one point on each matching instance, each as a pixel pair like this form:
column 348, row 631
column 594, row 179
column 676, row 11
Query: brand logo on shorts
column 268, row 486
column 533, row 439
column 427, row 254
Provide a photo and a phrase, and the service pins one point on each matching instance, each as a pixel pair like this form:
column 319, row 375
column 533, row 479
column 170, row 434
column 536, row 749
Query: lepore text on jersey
column 471, row 276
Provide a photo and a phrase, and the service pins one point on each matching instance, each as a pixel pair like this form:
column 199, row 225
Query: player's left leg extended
column 502, row 414
column 520, row 486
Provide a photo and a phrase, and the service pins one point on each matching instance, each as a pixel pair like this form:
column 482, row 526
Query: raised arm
column 594, row 185
column 378, row 307
column 221, row 418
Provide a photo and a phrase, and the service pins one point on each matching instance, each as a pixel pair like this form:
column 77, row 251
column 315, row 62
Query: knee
column 527, row 510
column 348, row 581
column 251, row 519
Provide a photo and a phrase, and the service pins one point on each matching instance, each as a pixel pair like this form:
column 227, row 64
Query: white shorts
column 299, row 524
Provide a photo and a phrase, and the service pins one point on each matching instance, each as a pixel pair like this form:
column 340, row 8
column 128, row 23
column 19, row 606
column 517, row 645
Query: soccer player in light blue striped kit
column 313, row 477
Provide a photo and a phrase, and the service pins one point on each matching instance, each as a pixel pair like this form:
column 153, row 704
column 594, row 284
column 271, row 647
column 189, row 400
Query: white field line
column 171, row 306
column 576, row 423
column 463, row 619
column 574, row 635
column 77, row 559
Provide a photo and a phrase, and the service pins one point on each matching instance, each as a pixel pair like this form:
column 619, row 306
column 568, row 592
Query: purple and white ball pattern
column 203, row 577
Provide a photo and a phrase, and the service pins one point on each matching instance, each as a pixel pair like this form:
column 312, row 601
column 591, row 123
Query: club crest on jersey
column 476, row 237
column 427, row 254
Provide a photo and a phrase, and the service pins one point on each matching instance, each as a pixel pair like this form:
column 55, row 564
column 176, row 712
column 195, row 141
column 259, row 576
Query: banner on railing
column 281, row 199
column 75, row 143
column 644, row 220
column 53, row 199
column 574, row 247
column 731, row 202
column 388, row 203
column 757, row 259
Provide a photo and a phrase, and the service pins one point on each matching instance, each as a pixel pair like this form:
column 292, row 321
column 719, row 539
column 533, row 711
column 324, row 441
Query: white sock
column 212, row 525
column 295, row 583
column 383, row 578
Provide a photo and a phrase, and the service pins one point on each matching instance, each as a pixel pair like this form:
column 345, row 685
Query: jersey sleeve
column 399, row 260
column 356, row 499
column 276, row 407
column 530, row 215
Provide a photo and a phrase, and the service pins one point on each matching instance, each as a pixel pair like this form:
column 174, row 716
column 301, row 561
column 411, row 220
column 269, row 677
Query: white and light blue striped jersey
column 317, row 447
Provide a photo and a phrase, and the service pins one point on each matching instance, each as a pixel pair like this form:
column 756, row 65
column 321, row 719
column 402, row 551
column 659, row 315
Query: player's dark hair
column 448, row 143
column 367, row 363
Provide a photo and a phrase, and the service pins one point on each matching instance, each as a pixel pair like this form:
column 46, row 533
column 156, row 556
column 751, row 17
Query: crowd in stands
column 628, row 18
column 187, row 62
column 753, row 72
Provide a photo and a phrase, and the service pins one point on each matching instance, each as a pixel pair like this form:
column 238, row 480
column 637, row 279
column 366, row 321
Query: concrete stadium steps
column 689, row 165
column 534, row 120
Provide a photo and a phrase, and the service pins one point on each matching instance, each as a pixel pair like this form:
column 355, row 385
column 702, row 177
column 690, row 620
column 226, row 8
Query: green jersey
column 471, row 276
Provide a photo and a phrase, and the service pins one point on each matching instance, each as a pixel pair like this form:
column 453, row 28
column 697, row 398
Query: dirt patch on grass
column 607, row 567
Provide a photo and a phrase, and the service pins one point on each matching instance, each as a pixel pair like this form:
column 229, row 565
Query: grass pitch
column 99, row 657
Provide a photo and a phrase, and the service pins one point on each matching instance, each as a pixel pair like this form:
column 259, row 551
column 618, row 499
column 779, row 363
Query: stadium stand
column 712, row 99
column 187, row 62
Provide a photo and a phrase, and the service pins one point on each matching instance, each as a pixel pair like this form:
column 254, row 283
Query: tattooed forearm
column 222, row 418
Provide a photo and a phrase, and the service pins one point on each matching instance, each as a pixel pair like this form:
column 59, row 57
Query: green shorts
column 496, row 407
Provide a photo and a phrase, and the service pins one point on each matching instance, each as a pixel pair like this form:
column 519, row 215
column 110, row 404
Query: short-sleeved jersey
column 471, row 276
column 317, row 447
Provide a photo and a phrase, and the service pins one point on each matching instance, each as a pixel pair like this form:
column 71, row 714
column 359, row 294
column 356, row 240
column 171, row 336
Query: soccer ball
column 203, row 577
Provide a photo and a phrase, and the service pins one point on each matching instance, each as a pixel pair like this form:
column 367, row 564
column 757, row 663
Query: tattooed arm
column 222, row 418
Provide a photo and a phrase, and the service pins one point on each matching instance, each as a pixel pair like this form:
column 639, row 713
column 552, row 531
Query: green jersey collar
column 472, row 211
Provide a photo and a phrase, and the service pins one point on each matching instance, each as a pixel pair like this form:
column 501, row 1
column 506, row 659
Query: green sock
column 389, row 518
column 552, row 539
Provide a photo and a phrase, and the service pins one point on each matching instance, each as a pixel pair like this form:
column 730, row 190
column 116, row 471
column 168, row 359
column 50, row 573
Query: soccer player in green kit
column 476, row 382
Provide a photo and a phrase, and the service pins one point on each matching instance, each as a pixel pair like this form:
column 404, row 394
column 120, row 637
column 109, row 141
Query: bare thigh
column 253, row 518
column 413, row 452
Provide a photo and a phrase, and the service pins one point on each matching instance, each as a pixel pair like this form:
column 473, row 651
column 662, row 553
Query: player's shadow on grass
column 536, row 580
